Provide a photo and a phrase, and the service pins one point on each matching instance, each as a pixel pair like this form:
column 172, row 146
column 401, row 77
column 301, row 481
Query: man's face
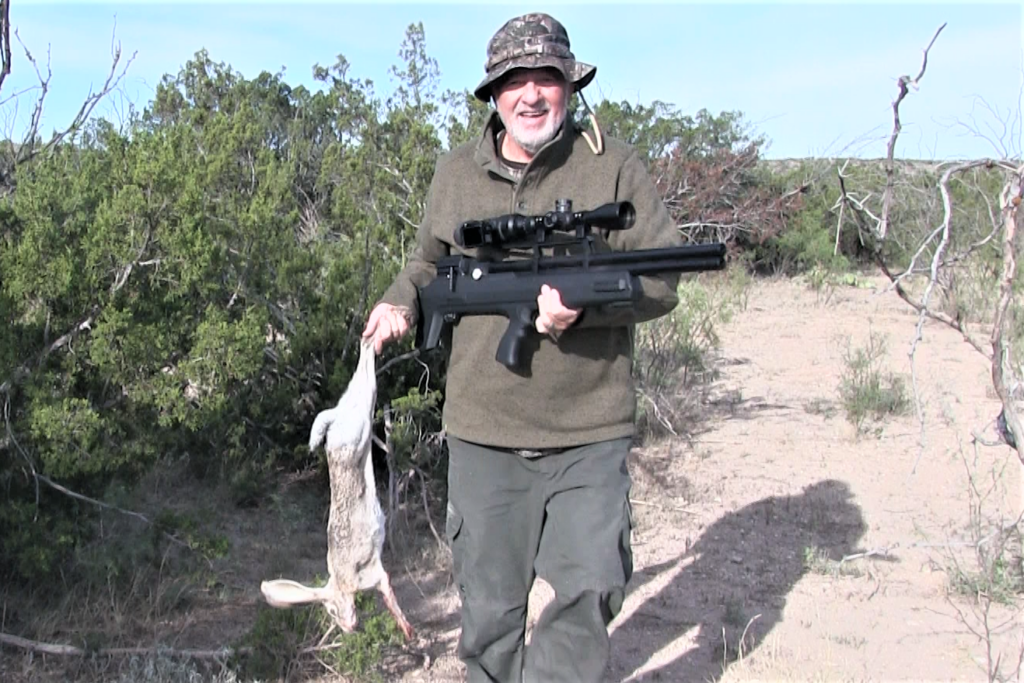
column 532, row 105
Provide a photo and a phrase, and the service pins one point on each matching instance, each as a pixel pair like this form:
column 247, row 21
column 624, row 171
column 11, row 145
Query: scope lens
column 469, row 235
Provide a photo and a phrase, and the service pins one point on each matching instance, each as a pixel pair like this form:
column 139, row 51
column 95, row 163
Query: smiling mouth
column 532, row 114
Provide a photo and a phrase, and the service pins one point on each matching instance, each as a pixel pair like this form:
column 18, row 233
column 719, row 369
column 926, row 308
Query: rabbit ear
column 284, row 593
column 320, row 425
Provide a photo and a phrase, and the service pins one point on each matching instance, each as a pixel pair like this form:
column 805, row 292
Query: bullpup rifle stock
column 466, row 285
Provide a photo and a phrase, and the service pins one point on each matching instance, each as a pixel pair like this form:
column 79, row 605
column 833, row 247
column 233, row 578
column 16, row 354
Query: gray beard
column 533, row 146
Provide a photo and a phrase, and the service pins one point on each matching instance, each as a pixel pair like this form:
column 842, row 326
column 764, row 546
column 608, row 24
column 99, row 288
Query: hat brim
column 578, row 73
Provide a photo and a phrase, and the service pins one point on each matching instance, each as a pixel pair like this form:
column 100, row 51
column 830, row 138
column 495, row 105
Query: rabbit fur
column 356, row 524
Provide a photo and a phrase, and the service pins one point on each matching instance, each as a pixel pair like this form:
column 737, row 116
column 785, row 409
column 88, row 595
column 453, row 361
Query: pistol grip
column 428, row 338
column 520, row 320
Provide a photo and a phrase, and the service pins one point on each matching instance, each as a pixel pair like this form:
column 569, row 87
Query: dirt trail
column 725, row 522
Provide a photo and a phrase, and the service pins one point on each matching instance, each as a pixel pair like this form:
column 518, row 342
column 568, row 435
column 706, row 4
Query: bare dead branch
column 1006, row 141
column 885, row 551
column 904, row 82
column 924, row 62
column 975, row 246
column 126, row 271
column 64, row 340
column 943, row 227
column 842, row 207
column 398, row 359
column 37, row 109
column 389, row 454
column 30, row 146
column 999, row 354
column 426, row 507
column 5, row 40
column 120, row 279
column 657, row 412
column 944, row 230
column 86, row 499
column 40, row 478
column 1010, row 202
column 896, row 280
column 28, row 459
column 936, row 245
column 73, row 651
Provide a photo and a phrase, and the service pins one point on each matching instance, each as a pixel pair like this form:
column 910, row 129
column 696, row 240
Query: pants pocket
column 452, row 523
column 453, row 533
column 626, row 543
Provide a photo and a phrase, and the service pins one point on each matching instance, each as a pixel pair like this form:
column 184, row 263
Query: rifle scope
column 517, row 228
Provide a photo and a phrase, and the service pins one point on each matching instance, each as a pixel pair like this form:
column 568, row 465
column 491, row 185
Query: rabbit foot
column 391, row 601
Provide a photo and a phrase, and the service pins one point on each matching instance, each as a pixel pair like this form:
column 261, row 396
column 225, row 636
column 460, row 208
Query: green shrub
column 280, row 638
column 673, row 353
column 867, row 392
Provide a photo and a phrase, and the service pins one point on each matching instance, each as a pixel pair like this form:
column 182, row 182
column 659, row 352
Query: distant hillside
column 912, row 166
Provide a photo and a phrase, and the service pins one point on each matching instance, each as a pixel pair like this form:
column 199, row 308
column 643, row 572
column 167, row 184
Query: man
column 537, row 479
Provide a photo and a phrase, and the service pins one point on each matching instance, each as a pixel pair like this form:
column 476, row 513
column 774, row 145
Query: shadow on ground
column 736, row 577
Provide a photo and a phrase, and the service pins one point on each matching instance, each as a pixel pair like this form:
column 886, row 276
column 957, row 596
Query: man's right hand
column 386, row 323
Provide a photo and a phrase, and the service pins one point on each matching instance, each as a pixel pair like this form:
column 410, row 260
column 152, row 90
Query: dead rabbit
column 355, row 527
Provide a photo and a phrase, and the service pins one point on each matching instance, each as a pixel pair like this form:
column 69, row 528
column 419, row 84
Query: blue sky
column 815, row 78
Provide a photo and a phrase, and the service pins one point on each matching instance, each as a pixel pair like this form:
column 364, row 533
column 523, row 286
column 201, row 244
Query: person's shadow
column 734, row 583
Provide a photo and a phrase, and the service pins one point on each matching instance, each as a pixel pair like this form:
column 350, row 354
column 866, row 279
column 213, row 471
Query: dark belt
column 531, row 452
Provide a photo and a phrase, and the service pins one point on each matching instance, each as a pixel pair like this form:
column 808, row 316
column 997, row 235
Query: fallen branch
column 877, row 552
column 86, row 499
column 673, row 508
column 73, row 651
column 41, row 478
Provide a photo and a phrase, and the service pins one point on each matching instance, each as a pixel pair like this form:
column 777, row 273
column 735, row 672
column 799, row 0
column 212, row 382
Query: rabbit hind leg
column 391, row 601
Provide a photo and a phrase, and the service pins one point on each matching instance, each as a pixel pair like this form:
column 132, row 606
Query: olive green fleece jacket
column 579, row 389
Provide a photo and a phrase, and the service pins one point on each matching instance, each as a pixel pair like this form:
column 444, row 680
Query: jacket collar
column 553, row 154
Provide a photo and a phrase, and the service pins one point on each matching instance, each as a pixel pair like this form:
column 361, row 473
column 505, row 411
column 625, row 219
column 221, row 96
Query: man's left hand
column 553, row 317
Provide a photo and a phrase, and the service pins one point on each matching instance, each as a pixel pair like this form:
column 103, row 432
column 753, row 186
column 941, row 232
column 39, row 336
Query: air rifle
column 487, row 286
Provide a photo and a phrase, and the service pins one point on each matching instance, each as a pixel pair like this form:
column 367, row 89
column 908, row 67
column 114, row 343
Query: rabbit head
column 340, row 606
column 349, row 424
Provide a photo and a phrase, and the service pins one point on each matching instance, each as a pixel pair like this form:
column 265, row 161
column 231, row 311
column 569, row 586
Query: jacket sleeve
column 653, row 229
column 421, row 267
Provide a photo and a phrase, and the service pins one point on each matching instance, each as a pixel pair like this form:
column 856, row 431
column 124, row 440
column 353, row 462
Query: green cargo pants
column 564, row 517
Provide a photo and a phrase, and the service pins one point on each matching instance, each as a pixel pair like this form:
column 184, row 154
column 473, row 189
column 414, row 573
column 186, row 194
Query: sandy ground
column 727, row 520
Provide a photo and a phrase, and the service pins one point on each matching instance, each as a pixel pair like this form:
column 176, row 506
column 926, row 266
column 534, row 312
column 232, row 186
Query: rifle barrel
column 640, row 261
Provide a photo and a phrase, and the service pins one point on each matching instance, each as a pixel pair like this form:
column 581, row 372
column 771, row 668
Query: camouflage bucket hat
column 532, row 41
